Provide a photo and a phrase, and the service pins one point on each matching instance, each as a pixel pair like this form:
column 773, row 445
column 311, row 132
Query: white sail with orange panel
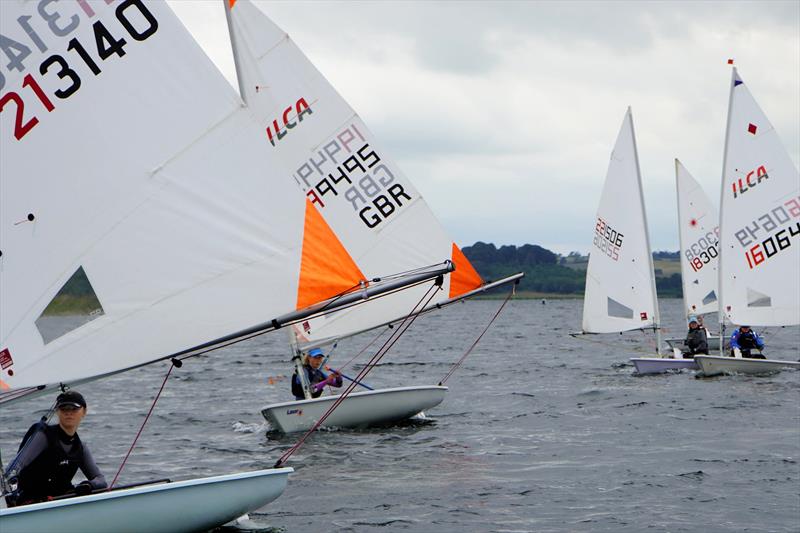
column 379, row 223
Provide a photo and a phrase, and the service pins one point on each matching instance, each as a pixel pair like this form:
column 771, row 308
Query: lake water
column 539, row 432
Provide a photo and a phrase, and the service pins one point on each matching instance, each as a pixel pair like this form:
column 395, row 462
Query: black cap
column 71, row 398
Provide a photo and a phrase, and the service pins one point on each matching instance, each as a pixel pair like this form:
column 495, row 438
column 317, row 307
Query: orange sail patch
column 465, row 278
column 231, row 2
column 326, row 269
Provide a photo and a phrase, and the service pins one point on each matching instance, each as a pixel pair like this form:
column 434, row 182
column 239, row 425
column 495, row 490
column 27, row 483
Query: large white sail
column 699, row 242
column 759, row 219
column 128, row 166
column 620, row 284
column 370, row 220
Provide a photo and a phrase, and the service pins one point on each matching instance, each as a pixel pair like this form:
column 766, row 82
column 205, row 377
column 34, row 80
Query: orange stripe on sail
column 231, row 2
column 326, row 268
column 465, row 278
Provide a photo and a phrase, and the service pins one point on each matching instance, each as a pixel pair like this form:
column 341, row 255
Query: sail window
column 710, row 298
column 758, row 299
column 618, row 310
column 73, row 306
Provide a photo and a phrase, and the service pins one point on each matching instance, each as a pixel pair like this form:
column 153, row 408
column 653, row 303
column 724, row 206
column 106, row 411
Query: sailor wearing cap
column 50, row 455
column 314, row 375
column 696, row 339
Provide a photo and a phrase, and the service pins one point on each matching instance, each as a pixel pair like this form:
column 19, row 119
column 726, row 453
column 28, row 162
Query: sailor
column 314, row 375
column 696, row 339
column 744, row 340
column 50, row 455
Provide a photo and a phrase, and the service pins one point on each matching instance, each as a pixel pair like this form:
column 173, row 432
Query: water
column 539, row 432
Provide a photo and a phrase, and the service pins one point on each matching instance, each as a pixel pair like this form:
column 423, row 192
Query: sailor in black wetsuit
column 696, row 340
column 50, row 455
column 314, row 376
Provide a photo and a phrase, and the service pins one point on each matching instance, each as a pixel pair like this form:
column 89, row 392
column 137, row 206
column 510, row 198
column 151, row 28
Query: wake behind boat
column 359, row 409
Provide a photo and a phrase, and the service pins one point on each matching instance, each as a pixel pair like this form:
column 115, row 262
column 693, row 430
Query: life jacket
column 51, row 473
column 314, row 376
column 747, row 341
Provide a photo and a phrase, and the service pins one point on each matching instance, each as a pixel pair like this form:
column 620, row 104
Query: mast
column 684, row 275
column 297, row 359
column 237, row 62
column 657, row 318
column 721, row 205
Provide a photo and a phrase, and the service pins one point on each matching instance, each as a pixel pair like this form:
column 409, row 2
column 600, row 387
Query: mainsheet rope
column 174, row 363
column 474, row 344
column 404, row 325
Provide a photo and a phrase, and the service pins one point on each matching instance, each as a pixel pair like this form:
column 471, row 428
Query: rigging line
column 364, row 349
column 474, row 344
column 174, row 363
column 13, row 464
column 364, row 371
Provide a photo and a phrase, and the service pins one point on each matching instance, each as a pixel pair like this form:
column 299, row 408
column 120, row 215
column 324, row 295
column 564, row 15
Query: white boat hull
column 658, row 365
column 193, row 505
column 713, row 365
column 713, row 343
column 359, row 409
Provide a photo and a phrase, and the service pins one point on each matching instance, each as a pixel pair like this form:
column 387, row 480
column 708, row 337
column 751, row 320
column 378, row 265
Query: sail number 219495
column 134, row 17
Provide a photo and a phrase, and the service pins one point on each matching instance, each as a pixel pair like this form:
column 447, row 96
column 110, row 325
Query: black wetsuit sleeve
column 90, row 470
column 30, row 451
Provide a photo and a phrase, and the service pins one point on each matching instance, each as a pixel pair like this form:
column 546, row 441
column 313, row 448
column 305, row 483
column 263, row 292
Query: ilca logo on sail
column 276, row 132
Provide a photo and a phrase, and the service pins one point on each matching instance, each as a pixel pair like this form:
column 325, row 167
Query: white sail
column 759, row 219
column 699, row 242
column 620, row 283
column 371, row 219
column 132, row 168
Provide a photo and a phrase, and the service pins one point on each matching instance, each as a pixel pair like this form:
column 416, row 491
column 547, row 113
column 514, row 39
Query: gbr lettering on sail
column 347, row 171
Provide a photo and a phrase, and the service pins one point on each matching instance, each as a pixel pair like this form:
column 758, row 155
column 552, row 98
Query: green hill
column 552, row 275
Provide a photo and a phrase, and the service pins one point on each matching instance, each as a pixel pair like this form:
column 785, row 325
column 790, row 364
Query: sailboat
column 130, row 168
column 759, row 231
column 620, row 278
column 699, row 251
column 364, row 218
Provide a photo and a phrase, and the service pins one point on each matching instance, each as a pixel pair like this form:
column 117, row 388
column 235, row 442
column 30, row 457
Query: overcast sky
column 504, row 114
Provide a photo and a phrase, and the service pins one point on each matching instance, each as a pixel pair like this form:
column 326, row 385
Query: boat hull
column 359, row 409
column 659, row 365
column 193, row 505
column 712, row 365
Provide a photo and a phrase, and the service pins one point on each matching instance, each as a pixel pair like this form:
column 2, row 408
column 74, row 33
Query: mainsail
column 129, row 168
column 620, row 281
column 759, row 219
column 699, row 244
column 363, row 218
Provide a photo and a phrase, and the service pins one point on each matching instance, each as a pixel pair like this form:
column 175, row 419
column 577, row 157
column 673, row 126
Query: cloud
column 503, row 114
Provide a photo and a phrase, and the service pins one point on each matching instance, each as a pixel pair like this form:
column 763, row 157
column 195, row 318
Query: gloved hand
column 83, row 488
